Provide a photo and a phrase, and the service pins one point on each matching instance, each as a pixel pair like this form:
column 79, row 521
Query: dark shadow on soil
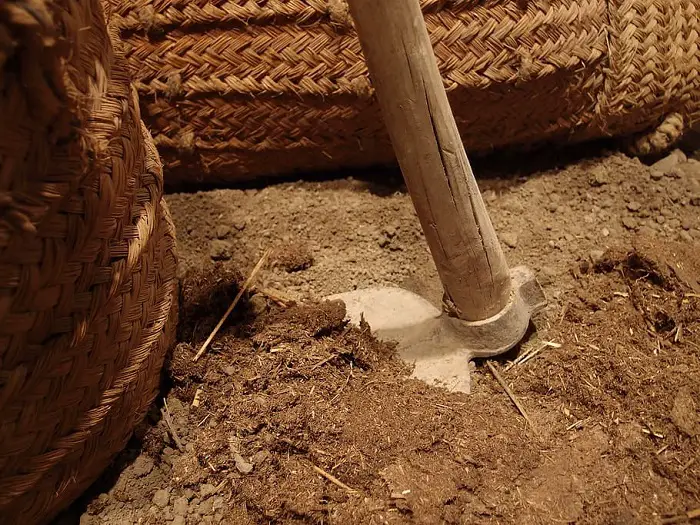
column 511, row 354
column 203, row 300
column 500, row 168
column 109, row 478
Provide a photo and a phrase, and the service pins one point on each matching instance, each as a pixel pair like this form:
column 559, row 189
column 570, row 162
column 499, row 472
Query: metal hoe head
column 439, row 346
column 494, row 303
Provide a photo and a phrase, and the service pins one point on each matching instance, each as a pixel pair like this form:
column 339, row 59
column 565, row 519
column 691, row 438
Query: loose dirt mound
column 303, row 419
column 287, row 390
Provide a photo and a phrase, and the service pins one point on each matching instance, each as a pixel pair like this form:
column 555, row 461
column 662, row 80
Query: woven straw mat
column 234, row 89
column 87, row 263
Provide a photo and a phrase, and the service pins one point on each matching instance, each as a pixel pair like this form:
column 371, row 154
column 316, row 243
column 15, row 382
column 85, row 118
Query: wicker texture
column 87, row 263
column 235, row 88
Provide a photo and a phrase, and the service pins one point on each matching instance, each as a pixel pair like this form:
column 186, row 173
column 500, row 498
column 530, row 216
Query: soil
column 293, row 416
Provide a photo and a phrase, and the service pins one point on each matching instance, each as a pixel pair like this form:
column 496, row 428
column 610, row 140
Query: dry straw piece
column 234, row 89
column 87, row 262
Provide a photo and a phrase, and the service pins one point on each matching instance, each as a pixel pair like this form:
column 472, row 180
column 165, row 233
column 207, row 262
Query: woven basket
column 234, row 89
column 87, row 264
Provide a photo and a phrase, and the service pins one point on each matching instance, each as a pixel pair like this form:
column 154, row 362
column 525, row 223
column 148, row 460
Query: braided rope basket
column 235, row 89
column 87, row 264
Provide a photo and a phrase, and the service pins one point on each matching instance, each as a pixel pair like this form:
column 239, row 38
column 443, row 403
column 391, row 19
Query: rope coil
column 281, row 86
column 87, row 255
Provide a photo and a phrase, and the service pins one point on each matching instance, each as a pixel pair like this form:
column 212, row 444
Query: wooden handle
column 431, row 154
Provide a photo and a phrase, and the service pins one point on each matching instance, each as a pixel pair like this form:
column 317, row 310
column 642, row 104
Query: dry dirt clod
column 293, row 257
column 669, row 162
column 596, row 256
column 510, row 239
column 222, row 231
column 258, row 304
column 220, row 250
column 686, row 236
column 390, row 231
column 685, row 413
column 630, row 223
column 206, row 490
column 181, row 506
column 243, row 466
column 142, row 466
column 599, row 178
column 489, row 196
column 161, row 498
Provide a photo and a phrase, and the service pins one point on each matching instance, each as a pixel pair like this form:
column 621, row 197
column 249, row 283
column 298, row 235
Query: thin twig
column 509, row 366
column 333, row 479
column 197, row 397
column 563, row 312
column 650, row 431
column 531, row 355
column 245, row 287
column 662, row 449
column 526, row 356
column 276, row 296
column 578, row 424
column 679, row 332
column 690, row 515
column 324, row 361
column 340, row 390
column 689, row 464
column 171, row 427
column 510, row 394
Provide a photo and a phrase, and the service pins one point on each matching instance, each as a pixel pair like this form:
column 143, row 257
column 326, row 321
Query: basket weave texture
column 234, row 89
column 87, row 262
